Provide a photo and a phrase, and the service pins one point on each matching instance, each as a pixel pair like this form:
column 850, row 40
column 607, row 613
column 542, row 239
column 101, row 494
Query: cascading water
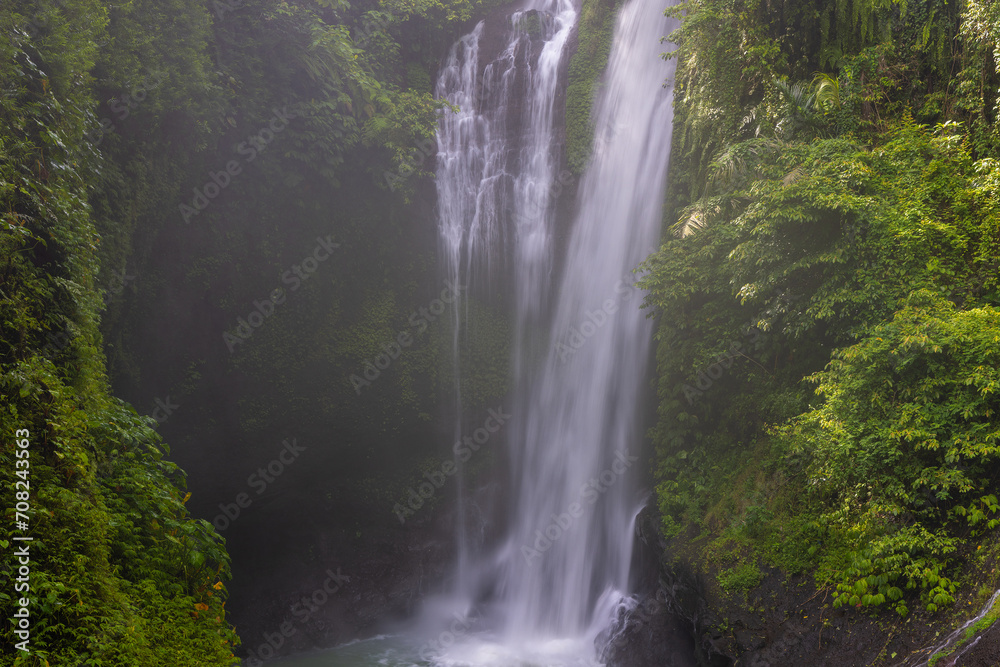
column 493, row 194
column 564, row 565
column 559, row 576
column 573, row 528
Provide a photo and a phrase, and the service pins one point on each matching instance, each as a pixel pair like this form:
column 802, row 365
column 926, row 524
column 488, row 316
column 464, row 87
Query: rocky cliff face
column 345, row 587
column 783, row 621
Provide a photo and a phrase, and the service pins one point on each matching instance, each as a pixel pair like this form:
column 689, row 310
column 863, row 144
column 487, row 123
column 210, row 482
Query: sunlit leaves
column 917, row 430
column 817, row 243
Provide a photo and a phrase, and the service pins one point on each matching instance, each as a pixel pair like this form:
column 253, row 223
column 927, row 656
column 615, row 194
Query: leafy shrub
column 740, row 579
column 903, row 451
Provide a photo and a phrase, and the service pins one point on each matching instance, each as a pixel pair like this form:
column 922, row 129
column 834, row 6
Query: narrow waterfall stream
column 493, row 195
column 574, row 447
column 581, row 344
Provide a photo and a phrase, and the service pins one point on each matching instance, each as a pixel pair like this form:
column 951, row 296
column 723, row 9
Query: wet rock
column 984, row 652
column 649, row 636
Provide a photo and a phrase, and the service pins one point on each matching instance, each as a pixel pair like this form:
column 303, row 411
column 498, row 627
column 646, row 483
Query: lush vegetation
column 829, row 300
column 595, row 30
column 828, row 348
column 154, row 154
column 120, row 573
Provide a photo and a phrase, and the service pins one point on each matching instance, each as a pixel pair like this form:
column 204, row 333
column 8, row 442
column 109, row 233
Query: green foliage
column 109, row 125
column 114, row 551
column 978, row 83
column 740, row 579
column 982, row 24
column 595, row 30
column 406, row 131
column 120, row 574
column 174, row 62
column 845, row 221
column 744, row 66
column 447, row 12
column 903, row 451
column 802, row 249
column 357, row 78
column 726, row 58
column 805, row 107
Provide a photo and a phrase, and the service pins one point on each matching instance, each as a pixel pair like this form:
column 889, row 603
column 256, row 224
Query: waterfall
column 495, row 170
column 575, row 432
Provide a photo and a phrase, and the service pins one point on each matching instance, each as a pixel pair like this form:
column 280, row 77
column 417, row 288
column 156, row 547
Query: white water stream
column 542, row 594
column 563, row 566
